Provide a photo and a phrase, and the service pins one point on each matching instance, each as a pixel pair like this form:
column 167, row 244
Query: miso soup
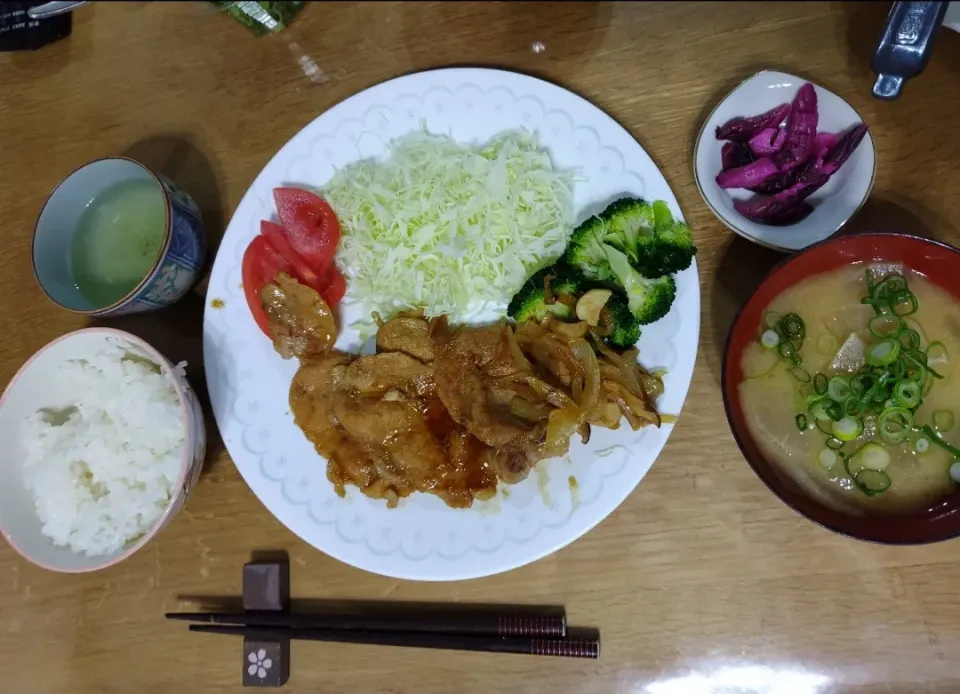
column 850, row 387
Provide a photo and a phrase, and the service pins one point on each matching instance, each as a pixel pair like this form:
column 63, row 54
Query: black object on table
column 18, row 32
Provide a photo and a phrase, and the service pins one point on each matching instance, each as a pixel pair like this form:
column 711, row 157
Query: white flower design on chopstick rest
column 259, row 663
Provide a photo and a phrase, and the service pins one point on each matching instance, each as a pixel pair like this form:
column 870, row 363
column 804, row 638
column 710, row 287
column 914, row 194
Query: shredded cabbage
column 447, row 227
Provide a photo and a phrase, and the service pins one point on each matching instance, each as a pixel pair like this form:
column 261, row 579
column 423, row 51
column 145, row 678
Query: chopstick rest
column 266, row 588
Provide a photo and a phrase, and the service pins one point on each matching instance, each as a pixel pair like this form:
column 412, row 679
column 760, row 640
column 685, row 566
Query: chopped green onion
column 854, row 408
column 802, row 422
column 890, row 285
column 770, row 339
column 907, row 394
column 834, row 411
column 801, row 374
column 871, row 302
column 868, row 480
column 904, row 298
column 872, row 482
column 955, row 471
column 873, row 456
column 935, row 438
column 937, row 354
column 885, row 325
column 838, row 389
column 911, row 369
column 828, row 457
column 834, row 443
column 847, row 428
column 893, row 424
column 913, row 325
column 918, row 366
column 792, row 326
column 823, row 425
column 921, row 445
column 827, row 345
column 909, row 339
column 820, row 384
column 943, row 420
column 771, row 319
column 819, row 410
column 861, row 383
column 883, row 352
column 899, row 367
column 789, row 352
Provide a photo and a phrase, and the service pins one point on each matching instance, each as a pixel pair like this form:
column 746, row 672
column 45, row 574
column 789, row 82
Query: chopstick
column 465, row 623
column 570, row 648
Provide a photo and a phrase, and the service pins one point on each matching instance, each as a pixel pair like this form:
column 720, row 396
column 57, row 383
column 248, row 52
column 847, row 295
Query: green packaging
column 262, row 17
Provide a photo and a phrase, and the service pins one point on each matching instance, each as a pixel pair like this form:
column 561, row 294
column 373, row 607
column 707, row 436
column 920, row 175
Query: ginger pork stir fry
column 301, row 324
column 451, row 411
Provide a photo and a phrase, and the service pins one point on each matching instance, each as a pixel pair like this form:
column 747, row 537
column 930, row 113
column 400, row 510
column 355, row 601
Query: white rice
column 102, row 470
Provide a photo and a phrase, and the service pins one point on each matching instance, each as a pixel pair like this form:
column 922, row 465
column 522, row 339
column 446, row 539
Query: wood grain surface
column 702, row 582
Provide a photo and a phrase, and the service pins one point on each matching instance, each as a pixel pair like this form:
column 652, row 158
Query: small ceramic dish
column 34, row 387
column 178, row 262
column 939, row 520
column 834, row 204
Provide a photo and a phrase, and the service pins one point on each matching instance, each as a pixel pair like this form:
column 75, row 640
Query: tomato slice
column 302, row 271
column 312, row 226
column 336, row 288
column 260, row 265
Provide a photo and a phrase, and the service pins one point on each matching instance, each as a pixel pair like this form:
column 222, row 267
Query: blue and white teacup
column 179, row 260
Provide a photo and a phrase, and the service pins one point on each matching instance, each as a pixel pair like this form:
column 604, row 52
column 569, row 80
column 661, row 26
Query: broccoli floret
column 629, row 226
column 653, row 241
column 600, row 248
column 671, row 249
column 530, row 302
column 585, row 250
column 626, row 224
column 626, row 328
column 649, row 299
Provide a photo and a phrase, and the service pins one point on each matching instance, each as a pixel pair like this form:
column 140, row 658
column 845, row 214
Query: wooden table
column 702, row 581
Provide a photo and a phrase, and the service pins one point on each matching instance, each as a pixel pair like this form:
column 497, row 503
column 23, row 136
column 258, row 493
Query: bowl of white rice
column 102, row 441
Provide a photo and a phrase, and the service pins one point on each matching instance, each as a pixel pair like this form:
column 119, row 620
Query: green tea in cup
column 118, row 239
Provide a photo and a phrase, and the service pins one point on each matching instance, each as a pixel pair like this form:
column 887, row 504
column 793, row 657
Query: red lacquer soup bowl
column 940, row 263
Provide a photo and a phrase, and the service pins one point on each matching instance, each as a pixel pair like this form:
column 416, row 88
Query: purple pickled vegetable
column 747, row 176
column 786, row 206
column 826, row 141
column 843, row 148
column 792, row 215
column 780, row 181
column 761, row 208
column 801, row 130
column 735, row 154
column 743, row 129
column 767, row 141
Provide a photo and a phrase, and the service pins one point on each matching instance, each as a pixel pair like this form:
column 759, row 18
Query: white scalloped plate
column 423, row 539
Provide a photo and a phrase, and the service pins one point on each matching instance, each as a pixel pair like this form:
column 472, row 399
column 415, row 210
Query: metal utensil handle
column 52, row 9
column 905, row 46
